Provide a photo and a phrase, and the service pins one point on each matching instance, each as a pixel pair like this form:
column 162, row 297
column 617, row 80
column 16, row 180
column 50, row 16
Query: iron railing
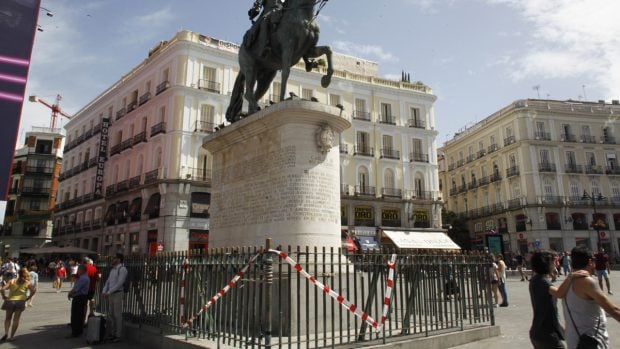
column 272, row 305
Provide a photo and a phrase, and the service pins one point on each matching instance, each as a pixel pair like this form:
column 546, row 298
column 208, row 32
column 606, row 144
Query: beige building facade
column 135, row 178
column 542, row 173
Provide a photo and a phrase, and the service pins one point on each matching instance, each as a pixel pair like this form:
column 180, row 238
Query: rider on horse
column 266, row 22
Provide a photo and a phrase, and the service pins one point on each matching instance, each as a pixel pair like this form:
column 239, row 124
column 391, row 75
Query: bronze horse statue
column 294, row 37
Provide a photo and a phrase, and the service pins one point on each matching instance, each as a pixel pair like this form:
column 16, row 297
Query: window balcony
column 92, row 162
column 451, row 167
column 573, row 168
column 199, row 174
column 116, row 149
column 344, row 189
column 594, row 169
column 122, row 186
column 418, row 157
column 391, row 192
column 158, row 128
column 460, row 163
column 151, row 176
column 162, row 87
column 416, row 123
column 344, row 148
column 139, row 138
column 422, row 194
column 361, row 115
column 132, row 106
column 363, row 150
column 509, row 140
column 551, row 200
column 495, row 177
column 144, row 98
column 120, row 113
column 540, row 135
column 110, row 190
column 463, row 188
column 204, row 127
column 134, row 181
column 363, row 190
column 588, row 139
column 470, row 158
column 453, row 191
column 492, row 148
column 389, row 153
column 481, row 153
column 387, row 119
column 472, row 185
column 612, row 170
column 126, row 144
column 484, row 181
column 608, row 140
column 546, row 167
column 512, row 171
column 97, row 129
column 208, row 85
column 42, row 170
column 567, row 137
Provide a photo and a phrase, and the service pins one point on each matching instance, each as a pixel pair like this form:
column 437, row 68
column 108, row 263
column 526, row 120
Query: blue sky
column 477, row 55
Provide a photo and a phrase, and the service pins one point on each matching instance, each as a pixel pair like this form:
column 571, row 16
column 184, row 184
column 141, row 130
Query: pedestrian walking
column 15, row 303
column 34, row 281
column 113, row 291
column 61, row 274
column 94, row 276
column 566, row 263
column 79, row 299
column 521, row 266
column 585, row 304
column 494, row 276
column 546, row 331
column 501, row 270
column 601, row 261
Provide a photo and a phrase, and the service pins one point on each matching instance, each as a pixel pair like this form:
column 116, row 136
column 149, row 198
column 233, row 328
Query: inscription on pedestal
column 272, row 188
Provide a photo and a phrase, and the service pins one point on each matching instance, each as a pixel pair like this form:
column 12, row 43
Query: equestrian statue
column 283, row 33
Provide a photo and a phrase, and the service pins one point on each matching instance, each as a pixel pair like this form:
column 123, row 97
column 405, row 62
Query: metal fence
column 272, row 305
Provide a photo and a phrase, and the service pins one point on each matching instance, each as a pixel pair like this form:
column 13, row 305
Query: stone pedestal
column 276, row 174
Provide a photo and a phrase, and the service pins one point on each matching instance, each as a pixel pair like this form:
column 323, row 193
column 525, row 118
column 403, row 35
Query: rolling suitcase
column 95, row 329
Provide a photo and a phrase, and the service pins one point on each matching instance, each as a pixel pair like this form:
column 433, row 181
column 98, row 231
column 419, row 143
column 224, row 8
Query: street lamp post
column 597, row 224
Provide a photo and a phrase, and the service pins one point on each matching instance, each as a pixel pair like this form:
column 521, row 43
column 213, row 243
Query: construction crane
column 54, row 107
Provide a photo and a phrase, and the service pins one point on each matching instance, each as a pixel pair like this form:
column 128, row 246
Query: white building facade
column 149, row 188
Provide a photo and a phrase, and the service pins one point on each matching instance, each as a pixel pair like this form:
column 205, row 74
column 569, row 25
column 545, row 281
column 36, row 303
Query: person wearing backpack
column 113, row 291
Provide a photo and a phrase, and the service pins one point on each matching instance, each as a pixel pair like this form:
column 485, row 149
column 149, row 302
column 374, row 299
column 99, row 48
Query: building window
column 334, row 99
column 307, row 93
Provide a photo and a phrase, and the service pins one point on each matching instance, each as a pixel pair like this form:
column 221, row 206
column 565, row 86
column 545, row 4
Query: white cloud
column 570, row 38
column 147, row 25
column 364, row 51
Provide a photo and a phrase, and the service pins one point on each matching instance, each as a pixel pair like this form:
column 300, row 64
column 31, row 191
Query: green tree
column 457, row 229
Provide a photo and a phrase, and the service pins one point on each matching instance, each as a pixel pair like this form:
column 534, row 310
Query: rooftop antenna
column 585, row 97
column 537, row 88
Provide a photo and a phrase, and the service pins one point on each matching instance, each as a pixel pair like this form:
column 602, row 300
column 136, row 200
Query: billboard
column 18, row 24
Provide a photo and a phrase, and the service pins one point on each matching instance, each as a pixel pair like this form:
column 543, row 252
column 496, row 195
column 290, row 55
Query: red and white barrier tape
column 325, row 288
column 221, row 293
column 182, row 299
column 345, row 303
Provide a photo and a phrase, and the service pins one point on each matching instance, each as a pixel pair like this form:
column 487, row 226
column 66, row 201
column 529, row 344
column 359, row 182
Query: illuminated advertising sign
column 18, row 23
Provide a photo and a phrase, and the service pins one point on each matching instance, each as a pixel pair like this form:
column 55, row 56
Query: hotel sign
column 102, row 156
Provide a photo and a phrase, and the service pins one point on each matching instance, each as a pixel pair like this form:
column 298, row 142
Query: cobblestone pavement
column 516, row 319
column 44, row 326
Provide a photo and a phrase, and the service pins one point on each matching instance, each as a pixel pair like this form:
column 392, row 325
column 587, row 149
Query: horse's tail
column 236, row 99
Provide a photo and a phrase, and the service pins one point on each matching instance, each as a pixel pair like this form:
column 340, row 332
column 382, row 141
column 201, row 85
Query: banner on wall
column 18, row 24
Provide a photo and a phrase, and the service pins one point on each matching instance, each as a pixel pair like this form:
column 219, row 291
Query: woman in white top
column 34, row 281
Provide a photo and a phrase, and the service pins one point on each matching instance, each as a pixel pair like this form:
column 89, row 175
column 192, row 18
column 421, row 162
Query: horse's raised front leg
column 317, row 52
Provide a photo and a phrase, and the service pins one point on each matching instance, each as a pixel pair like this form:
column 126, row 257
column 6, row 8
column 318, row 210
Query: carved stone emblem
column 325, row 138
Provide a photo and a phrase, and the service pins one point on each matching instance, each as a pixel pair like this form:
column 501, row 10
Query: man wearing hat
column 113, row 291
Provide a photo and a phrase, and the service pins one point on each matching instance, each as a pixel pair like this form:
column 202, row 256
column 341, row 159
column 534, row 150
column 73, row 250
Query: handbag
column 586, row 341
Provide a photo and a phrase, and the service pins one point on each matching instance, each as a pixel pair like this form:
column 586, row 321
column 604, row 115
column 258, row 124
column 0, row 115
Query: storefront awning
column 425, row 240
